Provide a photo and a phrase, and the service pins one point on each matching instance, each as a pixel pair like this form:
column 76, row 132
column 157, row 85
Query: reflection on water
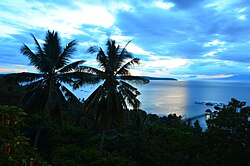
column 164, row 97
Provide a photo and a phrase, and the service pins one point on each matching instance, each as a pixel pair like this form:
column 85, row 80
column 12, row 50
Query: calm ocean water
column 164, row 97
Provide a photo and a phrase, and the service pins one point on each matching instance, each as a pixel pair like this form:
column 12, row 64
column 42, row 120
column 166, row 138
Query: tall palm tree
column 47, row 93
column 109, row 103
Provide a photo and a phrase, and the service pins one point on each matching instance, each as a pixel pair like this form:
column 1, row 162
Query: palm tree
column 109, row 103
column 47, row 93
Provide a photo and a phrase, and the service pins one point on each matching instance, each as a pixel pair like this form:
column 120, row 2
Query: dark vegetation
column 43, row 123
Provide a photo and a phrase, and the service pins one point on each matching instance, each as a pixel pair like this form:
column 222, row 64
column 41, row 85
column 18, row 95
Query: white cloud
column 115, row 6
column 168, row 63
column 136, row 49
column 66, row 20
column 164, row 5
column 242, row 17
column 122, row 39
column 6, row 31
column 214, row 43
column 211, row 53
column 84, row 44
column 94, row 15
column 214, row 76
column 158, row 68
column 154, row 73
column 221, row 4
column 215, row 52
column 241, row 10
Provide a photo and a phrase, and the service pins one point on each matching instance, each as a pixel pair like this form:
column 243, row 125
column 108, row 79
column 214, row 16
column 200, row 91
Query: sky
column 183, row 39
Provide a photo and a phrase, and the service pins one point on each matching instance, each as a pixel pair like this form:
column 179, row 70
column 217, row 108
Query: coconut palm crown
column 109, row 103
column 47, row 93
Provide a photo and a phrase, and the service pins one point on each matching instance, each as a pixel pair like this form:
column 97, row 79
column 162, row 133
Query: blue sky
column 184, row 39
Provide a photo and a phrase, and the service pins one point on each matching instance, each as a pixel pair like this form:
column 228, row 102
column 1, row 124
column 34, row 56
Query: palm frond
column 124, row 50
column 67, row 78
column 52, row 48
column 123, row 54
column 38, row 47
column 34, row 59
column 72, row 77
column 35, row 99
column 90, row 70
column 35, row 84
column 124, row 70
column 66, row 54
column 93, row 49
column 130, row 97
column 69, row 95
column 130, row 87
column 71, row 67
column 122, row 100
column 85, row 78
column 111, row 49
column 102, row 59
column 95, row 98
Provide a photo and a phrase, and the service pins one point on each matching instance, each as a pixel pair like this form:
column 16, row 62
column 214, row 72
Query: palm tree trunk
column 37, row 135
column 43, row 118
column 102, row 140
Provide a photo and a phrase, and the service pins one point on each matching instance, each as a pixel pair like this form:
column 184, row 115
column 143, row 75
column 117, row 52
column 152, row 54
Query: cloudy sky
column 184, row 39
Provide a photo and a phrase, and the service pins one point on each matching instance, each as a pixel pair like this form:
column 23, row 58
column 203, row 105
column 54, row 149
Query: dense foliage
column 14, row 145
column 146, row 139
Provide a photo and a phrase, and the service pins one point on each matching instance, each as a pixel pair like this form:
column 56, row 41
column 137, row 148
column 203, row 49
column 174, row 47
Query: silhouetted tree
column 228, row 134
column 47, row 94
column 109, row 102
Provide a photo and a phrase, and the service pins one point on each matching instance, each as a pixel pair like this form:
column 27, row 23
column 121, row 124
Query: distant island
column 159, row 78
column 146, row 77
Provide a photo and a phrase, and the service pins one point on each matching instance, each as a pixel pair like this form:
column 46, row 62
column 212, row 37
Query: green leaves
column 15, row 148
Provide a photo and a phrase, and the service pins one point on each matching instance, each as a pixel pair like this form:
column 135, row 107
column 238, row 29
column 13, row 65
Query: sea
column 185, row 98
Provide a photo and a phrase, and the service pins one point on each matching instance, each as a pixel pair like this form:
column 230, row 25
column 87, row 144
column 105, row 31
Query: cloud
column 137, row 50
column 214, row 43
column 172, row 37
column 214, row 76
column 209, row 54
column 211, row 67
column 164, row 5
column 242, row 17
column 165, row 63
column 221, row 4
column 66, row 19
column 160, row 67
